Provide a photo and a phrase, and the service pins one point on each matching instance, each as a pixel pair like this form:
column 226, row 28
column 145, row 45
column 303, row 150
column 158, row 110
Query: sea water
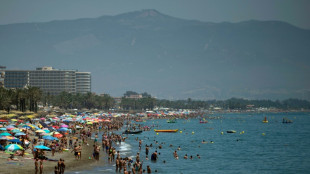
column 256, row 147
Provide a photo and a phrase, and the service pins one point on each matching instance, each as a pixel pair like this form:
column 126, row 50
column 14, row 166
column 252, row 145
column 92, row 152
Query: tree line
column 235, row 103
column 29, row 98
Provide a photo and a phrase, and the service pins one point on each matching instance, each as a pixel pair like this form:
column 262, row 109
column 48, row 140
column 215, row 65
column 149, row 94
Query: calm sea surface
column 271, row 147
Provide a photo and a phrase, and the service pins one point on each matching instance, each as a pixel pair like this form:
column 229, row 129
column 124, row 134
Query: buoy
column 180, row 131
column 263, row 134
column 222, row 133
column 243, row 132
column 193, row 132
column 156, row 133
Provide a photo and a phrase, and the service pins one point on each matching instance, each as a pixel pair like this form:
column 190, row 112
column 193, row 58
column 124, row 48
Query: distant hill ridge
column 168, row 57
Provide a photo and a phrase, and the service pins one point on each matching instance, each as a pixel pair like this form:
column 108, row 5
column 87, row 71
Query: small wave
column 125, row 147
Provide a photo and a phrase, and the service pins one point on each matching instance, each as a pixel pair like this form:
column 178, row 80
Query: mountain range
column 168, row 57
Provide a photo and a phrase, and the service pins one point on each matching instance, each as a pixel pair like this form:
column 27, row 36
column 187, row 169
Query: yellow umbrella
column 30, row 116
column 40, row 131
column 13, row 120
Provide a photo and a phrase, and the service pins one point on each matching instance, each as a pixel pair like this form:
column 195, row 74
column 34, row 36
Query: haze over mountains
column 168, row 57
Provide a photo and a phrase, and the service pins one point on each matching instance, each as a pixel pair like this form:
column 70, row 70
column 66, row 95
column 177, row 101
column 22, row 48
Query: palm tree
column 34, row 96
column 5, row 99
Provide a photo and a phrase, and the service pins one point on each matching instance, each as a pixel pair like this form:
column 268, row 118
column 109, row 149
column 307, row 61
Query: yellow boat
column 167, row 130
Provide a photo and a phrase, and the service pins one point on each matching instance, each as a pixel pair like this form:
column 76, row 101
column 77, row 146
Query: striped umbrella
column 13, row 147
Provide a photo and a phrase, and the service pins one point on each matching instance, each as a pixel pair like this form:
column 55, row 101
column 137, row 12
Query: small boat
column 132, row 132
column 167, row 130
column 231, row 131
column 139, row 120
column 265, row 120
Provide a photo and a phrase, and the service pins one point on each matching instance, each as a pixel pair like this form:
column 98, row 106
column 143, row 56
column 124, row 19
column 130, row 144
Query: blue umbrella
column 5, row 134
column 15, row 130
column 62, row 130
column 48, row 137
column 19, row 134
column 42, row 147
column 2, row 129
column 15, row 141
column 26, row 127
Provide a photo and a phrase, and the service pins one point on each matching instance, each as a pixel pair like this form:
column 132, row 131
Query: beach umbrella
column 19, row 134
column 10, row 127
column 2, row 129
column 46, row 131
column 42, row 147
column 5, row 134
column 13, row 120
column 42, row 131
column 48, row 137
column 64, row 125
column 15, row 130
column 13, row 147
column 15, row 141
column 58, row 135
column 89, row 123
column 26, row 127
column 62, row 130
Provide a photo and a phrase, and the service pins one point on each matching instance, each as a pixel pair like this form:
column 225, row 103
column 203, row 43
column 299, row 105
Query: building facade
column 2, row 74
column 49, row 80
column 83, row 82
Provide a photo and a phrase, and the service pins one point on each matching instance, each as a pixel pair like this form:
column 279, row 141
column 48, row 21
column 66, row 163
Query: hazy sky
column 296, row 12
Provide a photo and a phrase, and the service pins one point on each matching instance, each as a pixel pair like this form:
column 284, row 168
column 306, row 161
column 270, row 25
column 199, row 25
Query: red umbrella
column 56, row 127
column 58, row 135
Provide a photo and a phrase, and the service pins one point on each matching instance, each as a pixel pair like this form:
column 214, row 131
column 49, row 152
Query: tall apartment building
column 2, row 74
column 49, row 80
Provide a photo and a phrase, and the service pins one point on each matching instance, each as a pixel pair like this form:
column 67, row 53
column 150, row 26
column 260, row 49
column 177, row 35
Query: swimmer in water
column 191, row 157
column 198, row 156
column 175, row 154
column 185, row 157
column 179, row 148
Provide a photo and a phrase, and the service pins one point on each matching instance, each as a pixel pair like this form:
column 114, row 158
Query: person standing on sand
column 62, row 167
column 41, row 166
column 56, row 171
column 79, row 151
column 36, row 166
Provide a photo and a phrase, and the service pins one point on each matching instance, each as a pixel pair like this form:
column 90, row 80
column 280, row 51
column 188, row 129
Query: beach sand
column 26, row 163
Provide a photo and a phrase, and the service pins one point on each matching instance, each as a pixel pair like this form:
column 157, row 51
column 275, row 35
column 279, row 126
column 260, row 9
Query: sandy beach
column 26, row 163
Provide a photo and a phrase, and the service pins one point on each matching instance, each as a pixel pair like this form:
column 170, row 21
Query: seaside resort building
column 49, row 80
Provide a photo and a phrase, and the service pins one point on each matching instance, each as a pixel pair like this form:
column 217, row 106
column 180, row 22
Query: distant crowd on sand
column 66, row 135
